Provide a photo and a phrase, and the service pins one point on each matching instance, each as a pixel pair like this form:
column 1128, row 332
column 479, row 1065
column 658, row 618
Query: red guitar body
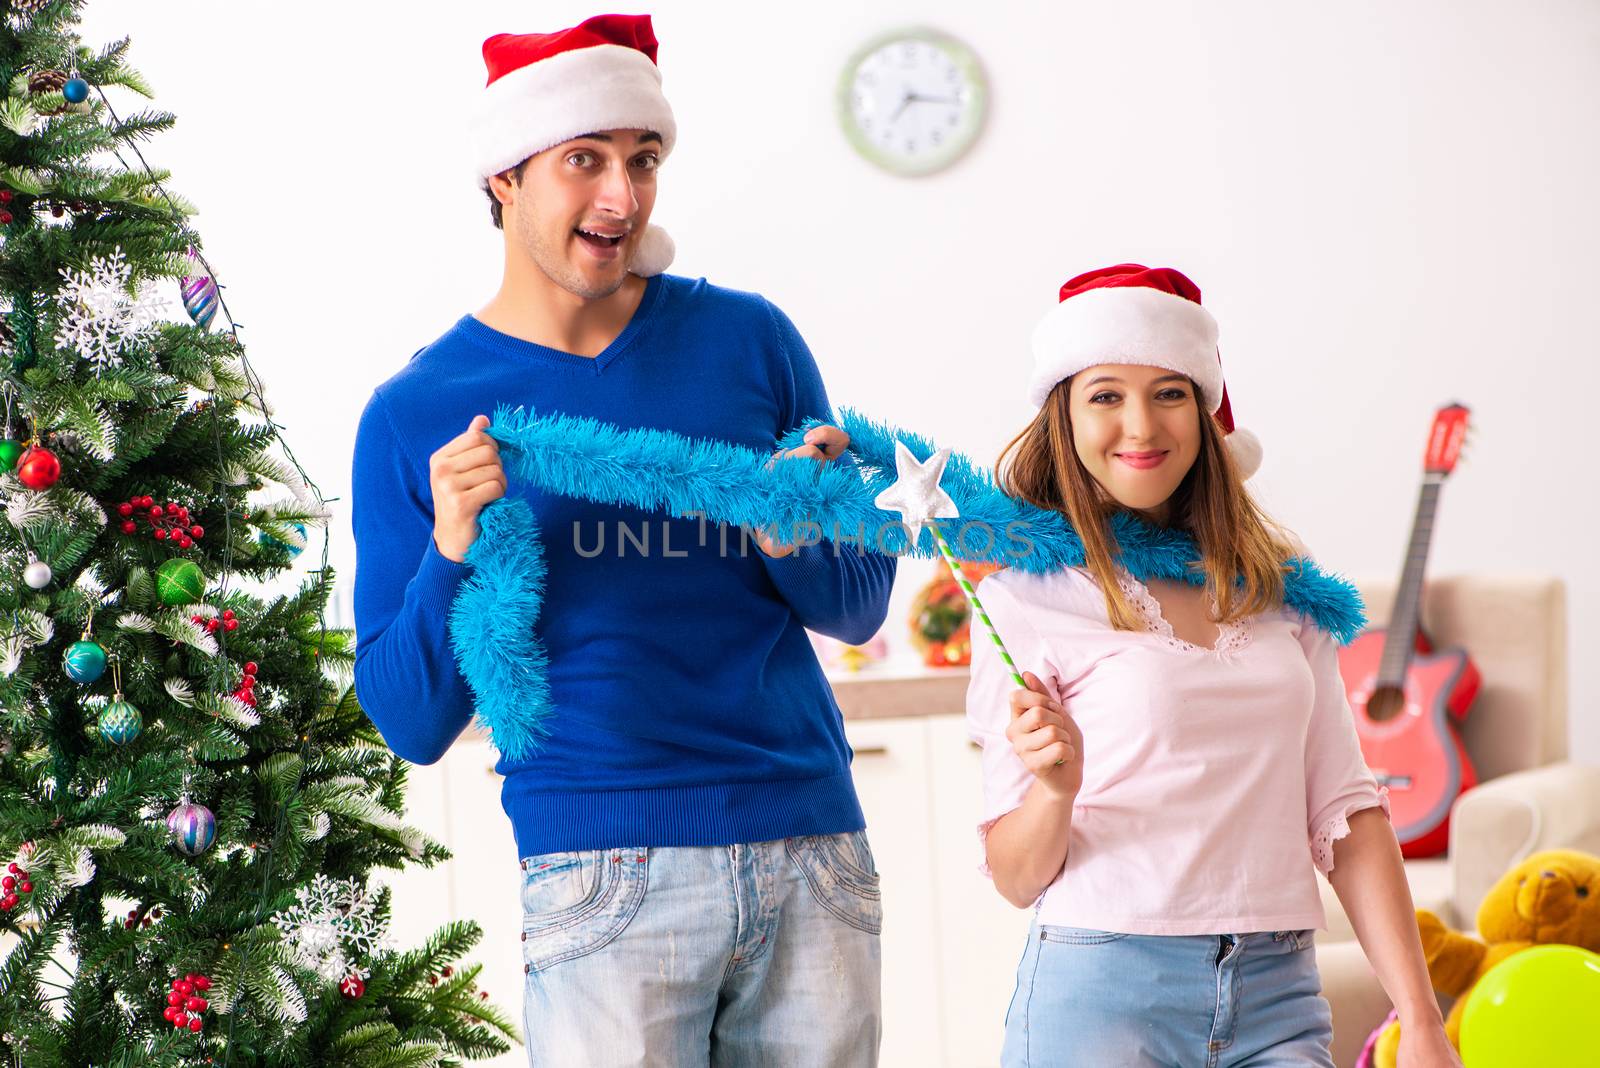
column 1416, row 751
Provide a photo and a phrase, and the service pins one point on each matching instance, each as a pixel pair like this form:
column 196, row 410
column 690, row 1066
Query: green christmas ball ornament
column 84, row 661
column 10, row 453
column 120, row 722
column 179, row 582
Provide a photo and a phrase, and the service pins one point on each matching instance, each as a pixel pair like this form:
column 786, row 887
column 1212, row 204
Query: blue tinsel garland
column 492, row 620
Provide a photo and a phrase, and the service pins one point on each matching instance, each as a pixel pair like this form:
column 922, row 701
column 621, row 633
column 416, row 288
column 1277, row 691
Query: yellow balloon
column 1539, row 1007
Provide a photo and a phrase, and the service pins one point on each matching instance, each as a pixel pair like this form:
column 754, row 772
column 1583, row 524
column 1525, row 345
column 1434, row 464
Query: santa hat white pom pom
column 1247, row 451
column 654, row 254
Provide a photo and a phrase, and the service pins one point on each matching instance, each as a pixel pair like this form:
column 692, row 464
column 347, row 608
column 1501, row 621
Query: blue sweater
column 689, row 708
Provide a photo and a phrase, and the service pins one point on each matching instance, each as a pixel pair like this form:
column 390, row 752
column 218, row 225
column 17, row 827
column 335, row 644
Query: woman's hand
column 1046, row 739
column 1426, row 1046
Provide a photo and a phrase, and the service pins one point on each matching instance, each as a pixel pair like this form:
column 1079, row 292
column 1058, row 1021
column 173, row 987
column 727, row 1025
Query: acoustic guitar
column 1406, row 695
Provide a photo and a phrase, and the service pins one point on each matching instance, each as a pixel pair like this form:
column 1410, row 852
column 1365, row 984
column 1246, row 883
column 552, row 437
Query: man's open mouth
column 599, row 240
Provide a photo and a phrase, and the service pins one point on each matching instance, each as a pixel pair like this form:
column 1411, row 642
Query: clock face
column 912, row 101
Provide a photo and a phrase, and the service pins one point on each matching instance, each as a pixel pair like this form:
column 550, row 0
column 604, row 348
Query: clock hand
column 904, row 102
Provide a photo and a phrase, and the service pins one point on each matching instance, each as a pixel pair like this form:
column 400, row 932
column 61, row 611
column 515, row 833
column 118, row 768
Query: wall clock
column 912, row 101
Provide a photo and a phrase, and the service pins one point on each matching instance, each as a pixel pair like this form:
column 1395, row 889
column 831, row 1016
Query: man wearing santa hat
column 697, row 886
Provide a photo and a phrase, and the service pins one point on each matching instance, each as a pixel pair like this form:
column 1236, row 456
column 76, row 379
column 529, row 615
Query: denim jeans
column 1093, row 999
column 757, row 954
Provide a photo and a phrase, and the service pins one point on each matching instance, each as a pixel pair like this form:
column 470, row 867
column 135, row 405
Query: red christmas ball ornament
column 38, row 469
column 352, row 987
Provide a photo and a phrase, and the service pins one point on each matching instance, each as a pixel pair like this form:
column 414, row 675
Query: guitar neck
column 1406, row 618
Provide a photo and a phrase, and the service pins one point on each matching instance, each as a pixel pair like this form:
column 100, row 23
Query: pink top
column 1213, row 779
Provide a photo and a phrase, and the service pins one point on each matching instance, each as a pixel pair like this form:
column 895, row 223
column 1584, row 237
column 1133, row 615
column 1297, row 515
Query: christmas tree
column 192, row 803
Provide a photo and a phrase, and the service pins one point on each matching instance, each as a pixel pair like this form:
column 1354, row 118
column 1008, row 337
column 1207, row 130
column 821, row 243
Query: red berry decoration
column 184, row 1006
column 6, row 217
column 6, row 196
column 170, row 523
column 38, row 468
column 14, row 886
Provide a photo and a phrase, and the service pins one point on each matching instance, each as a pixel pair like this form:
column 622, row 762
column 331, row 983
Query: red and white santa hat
column 546, row 88
column 1142, row 315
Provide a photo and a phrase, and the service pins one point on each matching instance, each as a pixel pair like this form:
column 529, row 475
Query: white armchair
column 1529, row 797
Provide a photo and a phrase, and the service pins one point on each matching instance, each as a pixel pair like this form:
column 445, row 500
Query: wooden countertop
column 888, row 690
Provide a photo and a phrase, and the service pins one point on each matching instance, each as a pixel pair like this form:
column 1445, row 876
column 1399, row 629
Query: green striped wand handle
column 977, row 605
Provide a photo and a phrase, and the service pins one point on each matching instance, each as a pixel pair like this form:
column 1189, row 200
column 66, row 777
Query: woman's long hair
column 1242, row 550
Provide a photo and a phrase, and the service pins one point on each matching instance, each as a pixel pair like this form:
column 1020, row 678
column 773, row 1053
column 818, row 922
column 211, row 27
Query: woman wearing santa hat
column 1183, row 760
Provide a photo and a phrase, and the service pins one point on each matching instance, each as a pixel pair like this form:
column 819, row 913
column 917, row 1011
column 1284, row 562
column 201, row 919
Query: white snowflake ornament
column 102, row 317
column 333, row 928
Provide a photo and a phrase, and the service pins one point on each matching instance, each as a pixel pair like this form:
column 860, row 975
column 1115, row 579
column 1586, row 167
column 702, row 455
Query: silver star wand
column 917, row 497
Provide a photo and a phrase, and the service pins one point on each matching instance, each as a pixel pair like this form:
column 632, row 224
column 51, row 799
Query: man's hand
column 823, row 444
column 465, row 475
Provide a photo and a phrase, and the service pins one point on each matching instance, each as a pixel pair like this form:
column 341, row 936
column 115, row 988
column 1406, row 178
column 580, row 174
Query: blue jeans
column 759, row 954
column 1100, row 1000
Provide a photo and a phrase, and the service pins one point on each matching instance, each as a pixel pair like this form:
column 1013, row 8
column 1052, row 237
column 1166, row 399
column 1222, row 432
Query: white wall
column 1389, row 206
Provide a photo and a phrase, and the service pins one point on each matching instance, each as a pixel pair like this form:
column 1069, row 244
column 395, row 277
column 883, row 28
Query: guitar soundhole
column 1385, row 703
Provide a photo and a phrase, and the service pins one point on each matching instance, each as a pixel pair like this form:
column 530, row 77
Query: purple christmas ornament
column 193, row 827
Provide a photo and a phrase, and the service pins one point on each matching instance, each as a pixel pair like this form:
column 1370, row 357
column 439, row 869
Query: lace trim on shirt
column 1337, row 827
column 1231, row 637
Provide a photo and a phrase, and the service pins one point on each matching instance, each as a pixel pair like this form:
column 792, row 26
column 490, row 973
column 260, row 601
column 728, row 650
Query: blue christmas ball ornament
column 294, row 550
column 120, row 722
column 76, row 90
column 85, row 661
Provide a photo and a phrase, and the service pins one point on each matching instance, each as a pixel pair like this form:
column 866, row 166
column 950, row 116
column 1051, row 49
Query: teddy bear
column 1552, row 897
